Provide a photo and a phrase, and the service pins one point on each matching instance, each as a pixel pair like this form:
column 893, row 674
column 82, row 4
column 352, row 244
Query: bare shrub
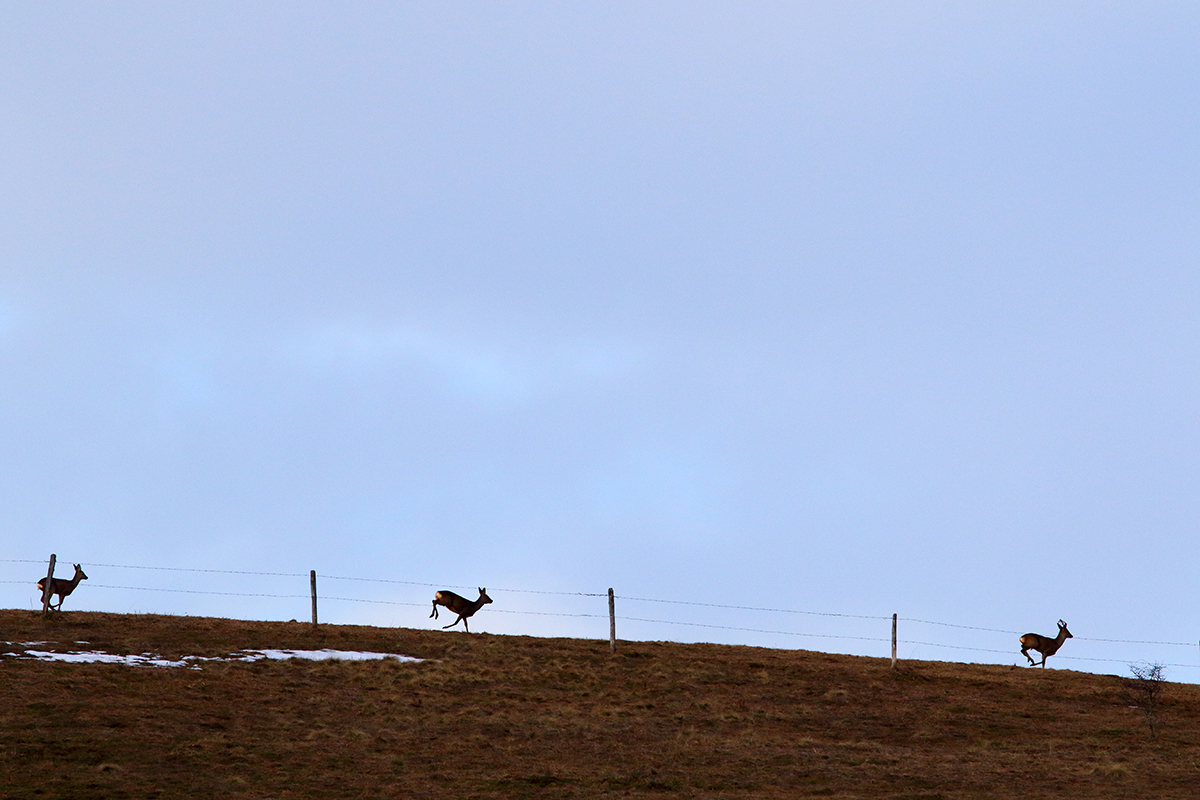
column 1143, row 691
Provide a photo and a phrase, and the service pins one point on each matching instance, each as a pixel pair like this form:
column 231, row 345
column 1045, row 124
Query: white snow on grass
column 320, row 655
column 95, row 657
column 193, row 662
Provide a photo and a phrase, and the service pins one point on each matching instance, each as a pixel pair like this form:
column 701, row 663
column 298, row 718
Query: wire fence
column 621, row 618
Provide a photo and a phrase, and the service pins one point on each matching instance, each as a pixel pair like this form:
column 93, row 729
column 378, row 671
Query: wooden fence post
column 612, row 622
column 893, row 641
column 312, row 576
column 49, row 579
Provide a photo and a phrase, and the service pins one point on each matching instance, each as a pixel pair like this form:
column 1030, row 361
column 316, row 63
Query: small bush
column 1144, row 692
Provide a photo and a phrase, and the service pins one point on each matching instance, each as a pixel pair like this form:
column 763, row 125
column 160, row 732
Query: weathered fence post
column 46, row 592
column 612, row 622
column 312, row 576
column 893, row 641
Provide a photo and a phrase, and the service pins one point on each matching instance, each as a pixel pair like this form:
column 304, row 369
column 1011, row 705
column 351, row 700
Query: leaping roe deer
column 459, row 605
column 61, row 587
column 1044, row 644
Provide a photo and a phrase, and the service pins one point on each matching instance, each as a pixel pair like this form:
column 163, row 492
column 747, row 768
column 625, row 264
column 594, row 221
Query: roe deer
column 61, row 587
column 1044, row 644
column 459, row 605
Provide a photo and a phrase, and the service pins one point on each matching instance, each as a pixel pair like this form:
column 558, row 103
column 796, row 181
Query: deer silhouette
column 459, row 605
column 61, row 587
column 1045, row 645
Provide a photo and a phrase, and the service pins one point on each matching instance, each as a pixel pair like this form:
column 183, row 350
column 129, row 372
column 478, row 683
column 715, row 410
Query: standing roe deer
column 1044, row 644
column 459, row 605
column 61, row 587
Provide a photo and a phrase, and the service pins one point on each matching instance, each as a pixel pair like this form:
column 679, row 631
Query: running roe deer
column 1044, row 644
column 459, row 605
column 61, row 587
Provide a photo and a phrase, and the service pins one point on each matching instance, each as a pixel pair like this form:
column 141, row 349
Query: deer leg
column 434, row 614
column 452, row 624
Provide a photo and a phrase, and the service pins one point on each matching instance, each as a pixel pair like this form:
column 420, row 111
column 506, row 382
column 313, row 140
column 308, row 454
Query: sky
column 843, row 309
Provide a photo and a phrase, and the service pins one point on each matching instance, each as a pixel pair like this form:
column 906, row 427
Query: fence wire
column 198, row 591
column 425, row 584
column 624, row 598
column 750, row 608
column 1009, row 652
column 453, row 586
column 1019, row 633
column 752, row 630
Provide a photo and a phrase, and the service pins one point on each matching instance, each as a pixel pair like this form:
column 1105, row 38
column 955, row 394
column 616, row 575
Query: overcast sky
column 854, row 308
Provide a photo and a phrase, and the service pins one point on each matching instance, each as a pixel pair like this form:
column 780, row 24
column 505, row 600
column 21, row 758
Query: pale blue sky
column 863, row 308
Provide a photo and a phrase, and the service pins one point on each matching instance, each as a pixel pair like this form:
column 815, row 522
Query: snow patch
column 318, row 655
column 95, row 657
column 194, row 662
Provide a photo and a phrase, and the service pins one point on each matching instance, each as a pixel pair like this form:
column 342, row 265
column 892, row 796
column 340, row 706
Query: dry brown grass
column 502, row 716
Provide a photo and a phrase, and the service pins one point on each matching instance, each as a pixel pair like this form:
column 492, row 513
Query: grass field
column 505, row 716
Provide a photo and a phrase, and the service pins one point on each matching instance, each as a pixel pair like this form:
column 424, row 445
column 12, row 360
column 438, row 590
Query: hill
column 488, row 716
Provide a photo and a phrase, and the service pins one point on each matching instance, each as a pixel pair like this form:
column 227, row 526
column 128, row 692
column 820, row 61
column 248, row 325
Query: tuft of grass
column 1111, row 770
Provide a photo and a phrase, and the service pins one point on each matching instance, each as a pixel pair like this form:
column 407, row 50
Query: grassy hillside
column 502, row 716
